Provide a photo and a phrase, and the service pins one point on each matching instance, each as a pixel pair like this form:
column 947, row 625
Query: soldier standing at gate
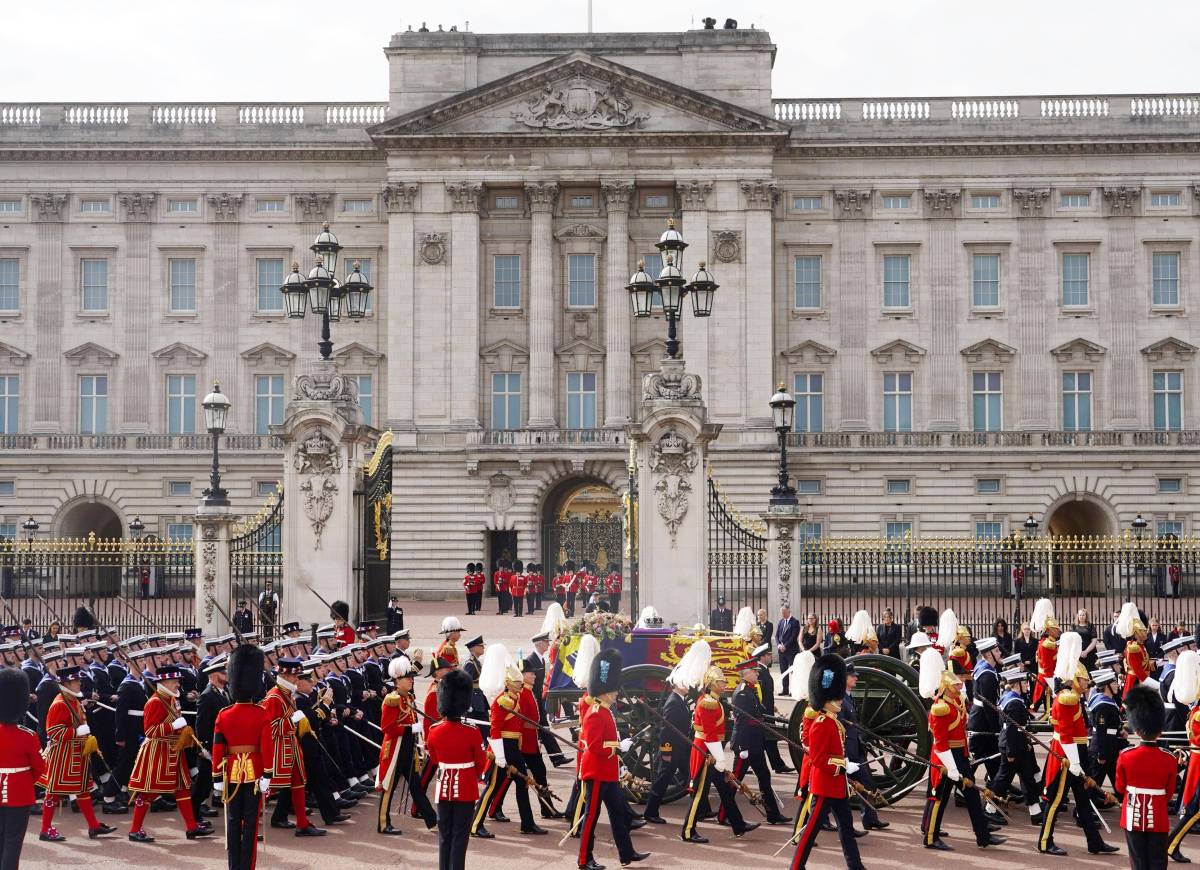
column 517, row 586
column 612, row 588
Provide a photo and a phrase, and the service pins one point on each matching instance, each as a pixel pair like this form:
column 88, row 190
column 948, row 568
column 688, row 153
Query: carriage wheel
column 902, row 671
column 892, row 711
column 643, row 685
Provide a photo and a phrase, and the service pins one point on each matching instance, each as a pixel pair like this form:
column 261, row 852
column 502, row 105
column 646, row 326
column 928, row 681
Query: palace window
column 1077, row 401
column 183, row 206
column 581, row 400
column 179, row 488
column 897, row 201
column 808, row 281
column 93, row 281
column 1168, row 401
column 268, row 403
column 181, row 404
column 898, row 530
column 8, row 531
column 1075, row 200
column 988, row 531
column 1169, row 527
column 366, row 397
column 10, row 284
column 1170, row 485
column 270, row 278
column 899, row 486
column 581, row 200
column 10, row 403
column 986, row 401
column 1075, row 269
column 653, row 267
column 506, row 275
column 809, row 392
column 810, row 486
column 808, row 203
column 985, row 200
column 182, row 277
column 987, row 486
column 897, row 401
column 269, row 206
column 93, row 404
column 358, row 206
column 179, row 531
column 1165, row 199
column 1164, row 277
column 581, row 280
column 95, row 206
column 895, row 281
column 985, row 280
column 8, row 488
column 10, row 206
column 506, row 201
column 506, row 400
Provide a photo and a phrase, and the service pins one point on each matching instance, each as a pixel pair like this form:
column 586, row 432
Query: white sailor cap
column 986, row 643
column 1013, row 675
column 1103, row 676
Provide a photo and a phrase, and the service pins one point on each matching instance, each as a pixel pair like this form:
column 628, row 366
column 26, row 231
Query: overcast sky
column 222, row 50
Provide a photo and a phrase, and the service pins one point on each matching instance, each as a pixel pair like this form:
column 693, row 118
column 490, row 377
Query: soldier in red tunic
column 500, row 580
column 457, row 755
column 469, row 588
column 69, row 748
column 242, row 745
column 612, row 588
column 1186, row 686
column 599, row 771
column 342, row 630
column 401, row 725
column 1043, row 624
column 533, row 593
column 517, row 585
column 1137, row 657
column 20, row 765
column 1146, row 781
column 826, row 757
column 447, row 650
column 160, row 768
column 288, row 775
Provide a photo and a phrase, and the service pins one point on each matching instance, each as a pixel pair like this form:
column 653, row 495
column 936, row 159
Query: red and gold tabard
column 1192, row 779
column 827, row 753
column 708, row 719
column 431, row 709
column 447, row 651
column 66, row 755
column 1066, row 717
column 287, row 762
column 1047, row 656
column 160, row 767
column 600, row 745
column 1137, row 665
column 397, row 716
column 242, row 741
column 948, row 725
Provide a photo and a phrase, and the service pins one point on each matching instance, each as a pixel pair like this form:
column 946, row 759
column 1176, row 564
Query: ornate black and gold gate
column 737, row 555
column 598, row 539
column 377, row 529
column 256, row 556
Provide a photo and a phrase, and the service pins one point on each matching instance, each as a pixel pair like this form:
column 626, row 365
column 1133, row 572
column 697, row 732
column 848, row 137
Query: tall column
column 49, row 210
column 693, row 202
column 542, row 308
column 853, row 207
column 398, row 306
column 1035, row 394
column 760, row 196
column 214, row 589
column 617, row 316
column 464, row 239
column 138, row 210
column 942, row 207
column 224, row 210
column 1125, row 401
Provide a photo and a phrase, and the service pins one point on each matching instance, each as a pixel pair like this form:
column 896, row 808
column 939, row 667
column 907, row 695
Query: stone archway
column 81, row 517
column 1081, row 514
column 582, row 521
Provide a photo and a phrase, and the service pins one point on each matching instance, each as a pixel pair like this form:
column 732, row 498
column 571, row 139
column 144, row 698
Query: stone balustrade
column 111, row 443
column 983, row 440
column 546, row 437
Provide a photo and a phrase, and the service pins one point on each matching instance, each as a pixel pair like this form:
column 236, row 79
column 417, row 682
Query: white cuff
column 946, row 757
column 297, row 716
column 1072, row 752
column 851, row 767
column 418, row 727
column 83, row 730
column 179, row 724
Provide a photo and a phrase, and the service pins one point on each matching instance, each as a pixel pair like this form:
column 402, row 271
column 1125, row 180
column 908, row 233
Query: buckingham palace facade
column 986, row 308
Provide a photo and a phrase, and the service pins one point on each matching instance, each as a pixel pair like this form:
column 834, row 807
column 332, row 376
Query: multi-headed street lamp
column 672, row 287
column 321, row 292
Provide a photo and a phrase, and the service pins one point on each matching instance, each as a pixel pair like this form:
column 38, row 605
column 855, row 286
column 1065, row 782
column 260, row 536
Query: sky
column 235, row 50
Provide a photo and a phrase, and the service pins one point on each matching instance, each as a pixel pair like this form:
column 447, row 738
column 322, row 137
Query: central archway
column 1080, row 514
column 80, row 519
column 582, row 522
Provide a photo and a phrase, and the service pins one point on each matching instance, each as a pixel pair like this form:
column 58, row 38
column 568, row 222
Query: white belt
column 1113, row 731
column 1133, row 789
column 135, row 712
column 456, row 766
column 10, row 770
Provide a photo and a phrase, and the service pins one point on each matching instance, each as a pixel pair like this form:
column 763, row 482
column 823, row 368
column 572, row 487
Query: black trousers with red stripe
column 840, row 807
column 609, row 794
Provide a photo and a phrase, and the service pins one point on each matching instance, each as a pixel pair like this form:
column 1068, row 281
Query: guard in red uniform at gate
column 70, row 746
column 286, row 764
column 517, row 585
column 457, row 755
column 600, row 749
column 20, row 765
column 242, row 744
column 343, row 633
column 469, row 588
column 160, row 768
column 612, row 588
column 500, row 580
column 1146, row 781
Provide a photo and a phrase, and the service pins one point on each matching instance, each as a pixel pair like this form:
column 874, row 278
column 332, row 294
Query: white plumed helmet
column 492, row 671
column 690, row 671
column 589, row 648
column 555, row 622
column 931, row 671
column 1129, row 620
column 860, row 628
column 744, row 623
column 1186, row 684
column 1043, row 613
column 947, row 629
column 1070, row 646
column 800, row 671
column 399, row 667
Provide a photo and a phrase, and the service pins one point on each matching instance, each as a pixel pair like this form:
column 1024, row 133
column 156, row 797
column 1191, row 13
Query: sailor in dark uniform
column 478, row 713
column 1107, row 736
column 748, row 742
column 983, row 722
column 1176, row 712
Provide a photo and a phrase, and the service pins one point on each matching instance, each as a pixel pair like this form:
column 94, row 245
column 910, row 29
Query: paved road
column 897, row 847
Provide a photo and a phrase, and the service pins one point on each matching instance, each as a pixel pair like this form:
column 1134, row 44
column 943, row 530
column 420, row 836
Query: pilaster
column 135, row 309
column 852, row 208
column 225, row 210
column 48, row 212
column 212, row 528
column 944, row 309
column 543, row 312
column 693, row 198
column 760, row 198
column 464, row 230
column 1035, row 406
column 782, row 526
column 617, row 314
column 398, row 306
column 1124, row 392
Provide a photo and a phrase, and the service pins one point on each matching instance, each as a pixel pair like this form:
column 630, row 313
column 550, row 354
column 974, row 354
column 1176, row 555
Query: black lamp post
column 136, row 527
column 783, row 412
column 1031, row 527
column 1139, row 527
column 216, row 413
column 322, row 294
column 672, row 287
column 30, row 526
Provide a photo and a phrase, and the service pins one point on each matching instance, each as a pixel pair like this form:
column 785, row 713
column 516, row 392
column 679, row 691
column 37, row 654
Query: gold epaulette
column 1050, row 643
column 1196, row 715
column 506, row 702
column 940, row 708
column 811, row 713
column 1068, row 697
column 958, row 652
column 708, row 702
column 1132, row 646
column 392, row 700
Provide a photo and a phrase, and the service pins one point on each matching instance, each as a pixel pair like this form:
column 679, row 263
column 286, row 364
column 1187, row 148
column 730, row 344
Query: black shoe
column 343, row 804
column 100, row 831
column 656, row 820
column 826, row 826
column 637, row 823
column 779, row 820
column 782, row 770
column 196, row 833
column 992, row 828
column 499, row 817
column 635, row 857
column 391, row 831
column 310, row 831
column 877, row 825
column 483, row 833
column 746, row 829
column 51, row 836
column 1179, row 857
column 534, row 830
column 554, row 815
column 939, row 845
column 1053, row 850
column 140, row 837
column 695, row 838
column 591, row 865
column 113, row 808
column 337, row 820
column 1103, row 849
column 857, row 833
column 286, row 825
column 204, row 823
column 995, row 819
column 561, row 761
column 992, row 840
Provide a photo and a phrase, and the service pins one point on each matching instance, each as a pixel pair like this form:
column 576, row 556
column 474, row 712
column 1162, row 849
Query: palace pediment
column 576, row 95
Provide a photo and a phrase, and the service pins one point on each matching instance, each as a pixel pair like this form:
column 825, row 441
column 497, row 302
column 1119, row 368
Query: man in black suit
column 536, row 662
column 766, row 688
column 787, row 642
column 721, row 619
column 211, row 701
column 764, row 627
column 889, row 634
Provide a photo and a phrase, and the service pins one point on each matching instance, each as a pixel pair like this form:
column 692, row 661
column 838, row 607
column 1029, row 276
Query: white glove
column 745, row 753
column 83, row 730
column 297, row 716
column 179, row 724
column 418, row 727
column 219, row 787
column 497, row 745
column 264, row 785
column 851, row 767
column 946, row 757
column 719, row 755
column 625, row 744
column 1072, row 753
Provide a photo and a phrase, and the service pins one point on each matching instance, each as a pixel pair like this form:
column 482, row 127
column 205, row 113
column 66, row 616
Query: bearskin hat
column 83, row 619
column 605, row 675
column 454, row 695
column 519, row 566
column 340, row 610
column 470, row 567
column 827, row 680
column 1146, row 711
column 14, row 695
column 245, row 670
column 927, row 617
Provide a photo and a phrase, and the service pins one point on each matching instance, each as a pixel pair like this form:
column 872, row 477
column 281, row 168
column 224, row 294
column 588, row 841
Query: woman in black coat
column 1003, row 638
column 1026, row 644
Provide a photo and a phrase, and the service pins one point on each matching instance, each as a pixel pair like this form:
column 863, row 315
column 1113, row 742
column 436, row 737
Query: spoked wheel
column 645, row 686
column 890, row 713
column 902, row 671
